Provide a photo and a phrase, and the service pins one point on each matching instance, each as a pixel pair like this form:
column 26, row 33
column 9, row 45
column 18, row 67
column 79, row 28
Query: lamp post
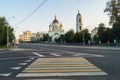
column 14, row 35
column 8, row 31
column 83, row 39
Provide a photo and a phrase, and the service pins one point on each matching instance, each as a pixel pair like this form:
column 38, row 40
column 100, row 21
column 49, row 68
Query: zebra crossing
column 50, row 67
column 44, row 54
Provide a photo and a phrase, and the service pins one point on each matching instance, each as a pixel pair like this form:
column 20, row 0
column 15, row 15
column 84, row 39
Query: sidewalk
column 84, row 46
column 2, row 49
column 8, row 48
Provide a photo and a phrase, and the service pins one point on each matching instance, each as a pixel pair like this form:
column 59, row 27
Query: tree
column 95, row 38
column 4, row 25
column 113, row 10
column 78, row 37
column 104, row 34
column 69, row 36
column 61, row 39
column 87, row 36
column 101, row 30
column 45, row 37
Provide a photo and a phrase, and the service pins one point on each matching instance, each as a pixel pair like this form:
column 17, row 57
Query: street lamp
column 8, row 31
column 83, row 39
column 14, row 35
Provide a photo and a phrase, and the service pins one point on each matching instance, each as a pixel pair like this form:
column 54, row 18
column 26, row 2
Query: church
column 55, row 29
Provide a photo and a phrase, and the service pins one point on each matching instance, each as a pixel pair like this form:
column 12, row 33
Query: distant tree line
column 4, row 25
column 72, row 37
column 69, row 37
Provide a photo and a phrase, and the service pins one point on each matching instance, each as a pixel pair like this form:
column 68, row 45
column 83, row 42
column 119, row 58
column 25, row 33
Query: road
column 56, row 62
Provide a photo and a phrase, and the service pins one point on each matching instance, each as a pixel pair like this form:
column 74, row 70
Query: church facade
column 55, row 29
column 79, row 25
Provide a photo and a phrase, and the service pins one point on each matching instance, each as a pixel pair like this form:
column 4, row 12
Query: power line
column 31, row 13
column 76, row 3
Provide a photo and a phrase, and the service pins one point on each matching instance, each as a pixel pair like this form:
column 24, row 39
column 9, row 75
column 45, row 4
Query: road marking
column 61, row 74
column 28, row 60
column 85, row 67
column 61, row 65
column 61, row 60
column 22, row 64
column 16, row 68
column 43, row 63
column 32, row 58
column 38, row 54
column 87, row 55
column 16, row 58
column 55, row 54
column 69, row 52
column 5, row 74
column 61, row 70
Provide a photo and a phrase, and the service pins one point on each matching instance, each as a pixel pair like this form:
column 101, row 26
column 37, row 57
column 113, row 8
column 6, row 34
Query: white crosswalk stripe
column 39, row 55
column 55, row 54
column 5, row 74
column 16, row 68
column 28, row 60
column 22, row 63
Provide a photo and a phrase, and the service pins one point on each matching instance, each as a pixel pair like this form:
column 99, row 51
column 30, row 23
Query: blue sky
column 92, row 13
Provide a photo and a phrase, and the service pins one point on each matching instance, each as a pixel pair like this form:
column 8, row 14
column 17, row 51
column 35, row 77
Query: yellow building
column 27, row 36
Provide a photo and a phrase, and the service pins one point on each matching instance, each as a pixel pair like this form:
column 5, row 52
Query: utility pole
column 7, row 37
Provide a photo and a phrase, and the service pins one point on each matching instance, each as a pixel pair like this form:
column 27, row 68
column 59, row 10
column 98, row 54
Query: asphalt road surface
column 59, row 62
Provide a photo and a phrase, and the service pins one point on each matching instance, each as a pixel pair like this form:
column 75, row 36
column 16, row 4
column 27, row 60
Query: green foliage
column 95, row 38
column 46, row 38
column 86, row 36
column 116, row 31
column 101, row 30
column 61, row 39
column 3, row 31
column 78, row 37
column 104, row 34
column 3, row 46
column 69, row 36
column 113, row 10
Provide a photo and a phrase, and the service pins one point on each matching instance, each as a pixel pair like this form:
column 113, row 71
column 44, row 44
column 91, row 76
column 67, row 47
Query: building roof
column 55, row 20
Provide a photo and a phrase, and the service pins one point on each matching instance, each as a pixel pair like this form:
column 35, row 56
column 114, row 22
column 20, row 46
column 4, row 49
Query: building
column 94, row 32
column 26, row 36
column 29, row 36
column 37, row 36
column 79, row 25
column 20, row 38
column 33, row 37
column 55, row 29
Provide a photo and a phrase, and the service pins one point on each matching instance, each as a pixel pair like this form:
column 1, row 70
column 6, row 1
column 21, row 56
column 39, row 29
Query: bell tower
column 79, row 25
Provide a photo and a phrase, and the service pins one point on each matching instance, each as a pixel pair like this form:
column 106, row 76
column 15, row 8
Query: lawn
column 3, row 46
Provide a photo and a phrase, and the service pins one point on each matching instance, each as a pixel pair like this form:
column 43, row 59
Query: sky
column 92, row 12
